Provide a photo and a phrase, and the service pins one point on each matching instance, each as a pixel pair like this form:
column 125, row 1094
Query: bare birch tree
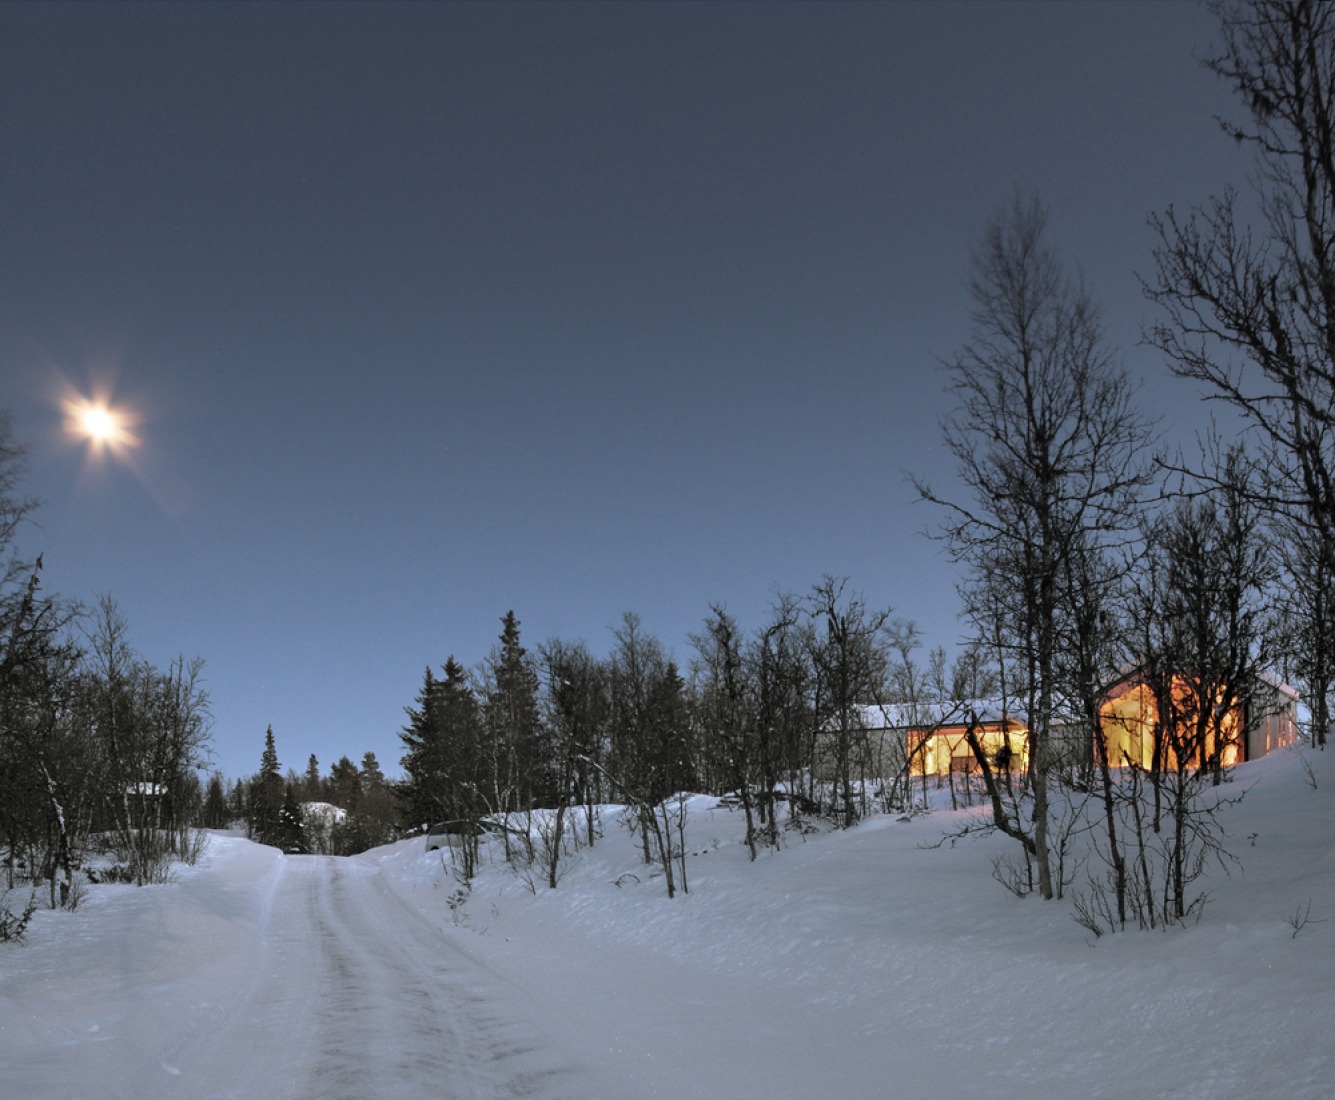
column 577, row 708
column 850, row 665
column 1249, row 303
column 1048, row 444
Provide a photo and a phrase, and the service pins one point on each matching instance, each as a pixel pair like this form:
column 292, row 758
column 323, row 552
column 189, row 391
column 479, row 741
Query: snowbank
column 871, row 962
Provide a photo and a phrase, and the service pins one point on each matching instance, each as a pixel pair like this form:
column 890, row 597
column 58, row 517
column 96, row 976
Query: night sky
column 426, row 312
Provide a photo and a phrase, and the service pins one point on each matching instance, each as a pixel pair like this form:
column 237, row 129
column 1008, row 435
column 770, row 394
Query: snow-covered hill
column 862, row 963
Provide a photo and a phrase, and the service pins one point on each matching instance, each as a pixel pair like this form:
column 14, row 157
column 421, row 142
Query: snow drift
column 871, row 962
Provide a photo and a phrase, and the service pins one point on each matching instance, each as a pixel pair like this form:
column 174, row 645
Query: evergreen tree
column 524, row 772
column 345, row 784
column 267, row 795
column 313, row 786
column 353, row 833
column 216, row 812
column 422, row 759
column 382, row 820
column 444, row 761
column 290, row 826
column 670, row 732
column 238, row 802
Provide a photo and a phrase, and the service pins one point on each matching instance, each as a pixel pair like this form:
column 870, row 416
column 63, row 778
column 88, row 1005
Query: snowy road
column 875, row 962
column 296, row 977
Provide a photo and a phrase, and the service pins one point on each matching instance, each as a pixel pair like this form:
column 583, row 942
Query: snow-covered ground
column 849, row 964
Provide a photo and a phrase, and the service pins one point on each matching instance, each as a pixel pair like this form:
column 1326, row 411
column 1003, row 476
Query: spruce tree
column 421, row 757
column 216, row 814
column 238, row 801
column 290, row 826
column 514, row 724
column 266, row 799
column 380, row 815
column 313, row 785
column 445, row 765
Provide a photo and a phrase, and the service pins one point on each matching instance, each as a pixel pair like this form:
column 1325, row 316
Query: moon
column 101, row 425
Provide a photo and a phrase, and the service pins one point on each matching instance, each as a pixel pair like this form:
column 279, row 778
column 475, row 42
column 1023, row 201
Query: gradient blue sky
column 431, row 311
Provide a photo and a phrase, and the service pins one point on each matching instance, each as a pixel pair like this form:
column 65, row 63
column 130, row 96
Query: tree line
column 348, row 811
column 773, row 718
column 99, row 747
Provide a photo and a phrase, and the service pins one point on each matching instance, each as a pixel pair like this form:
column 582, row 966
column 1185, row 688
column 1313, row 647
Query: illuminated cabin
column 932, row 738
column 1268, row 721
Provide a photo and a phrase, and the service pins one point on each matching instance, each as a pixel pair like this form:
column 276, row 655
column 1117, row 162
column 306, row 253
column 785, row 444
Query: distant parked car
column 453, row 834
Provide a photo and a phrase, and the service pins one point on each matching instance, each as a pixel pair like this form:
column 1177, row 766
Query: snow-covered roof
column 927, row 715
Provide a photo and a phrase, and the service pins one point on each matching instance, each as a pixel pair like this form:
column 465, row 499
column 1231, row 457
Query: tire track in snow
column 397, row 1011
column 275, row 977
column 253, row 1041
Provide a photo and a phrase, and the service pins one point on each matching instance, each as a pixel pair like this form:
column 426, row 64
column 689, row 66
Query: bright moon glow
column 102, row 426
column 99, row 423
